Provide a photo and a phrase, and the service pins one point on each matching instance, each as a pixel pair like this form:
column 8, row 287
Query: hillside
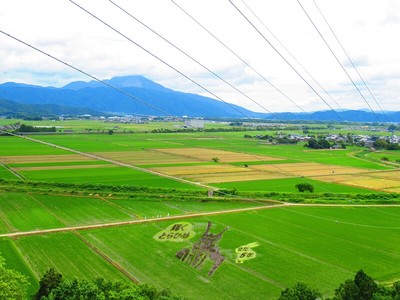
column 20, row 110
column 96, row 96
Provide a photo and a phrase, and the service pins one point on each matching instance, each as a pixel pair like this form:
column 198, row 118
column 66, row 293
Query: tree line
column 361, row 287
column 52, row 286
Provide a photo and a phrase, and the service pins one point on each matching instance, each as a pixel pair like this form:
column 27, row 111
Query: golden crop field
column 146, row 157
column 41, row 168
column 208, row 169
column 205, row 154
column 384, row 180
column 233, row 177
column 374, row 183
column 43, row 158
column 309, row 169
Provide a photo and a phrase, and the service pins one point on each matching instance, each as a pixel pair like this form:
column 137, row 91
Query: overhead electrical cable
column 239, row 57
column 115, row 30
column 285, row 59
column 189, row 56
column 291, row 54
column 87, row 74
column 337, row 59
column 350, row 60
column 252, row 68
column 120, row 90
column 159, row 59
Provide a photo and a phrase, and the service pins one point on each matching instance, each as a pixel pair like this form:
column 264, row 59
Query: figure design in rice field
column 205, row 247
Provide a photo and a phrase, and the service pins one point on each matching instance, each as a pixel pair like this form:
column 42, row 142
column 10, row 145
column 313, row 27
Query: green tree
column 50, row 280
column 366, row 285
column 300, row 291
column 215, row 159
column 13, row 285
column 304, row 187
column 362, row 287
column 101, row 288
column 318, row 144
column 380, row 144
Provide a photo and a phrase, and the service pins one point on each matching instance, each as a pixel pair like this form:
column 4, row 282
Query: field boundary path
column 353, row 154
column 12, row 171
column 149, row 220
column 184, row 216
column 118, row 163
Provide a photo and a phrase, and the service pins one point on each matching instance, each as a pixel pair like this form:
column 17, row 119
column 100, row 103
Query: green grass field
column 28, row 212
column 66, row 252
column 117, row 176
column 6, row 174
column 321, row 246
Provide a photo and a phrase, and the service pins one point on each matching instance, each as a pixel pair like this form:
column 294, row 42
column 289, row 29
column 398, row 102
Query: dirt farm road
column 184, row 216
column 118, row 163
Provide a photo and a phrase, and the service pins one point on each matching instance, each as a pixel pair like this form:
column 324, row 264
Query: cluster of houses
column 336, row 139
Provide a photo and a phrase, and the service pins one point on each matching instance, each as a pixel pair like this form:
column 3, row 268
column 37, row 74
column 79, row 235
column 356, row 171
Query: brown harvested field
column 308, row 169
column 218, row 173
column 233, row 177
column 394, row 175
column 205, row 154
column 43, row 158
column 374, row 183
column 146, row 157
column 339, row 178
column 64, row 167
column 195, row 170
column 393, row 190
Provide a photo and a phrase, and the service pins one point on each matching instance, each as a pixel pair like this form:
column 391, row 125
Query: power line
column 291, row 55
column 337, row 59
column 186, row 54
column 85, row 73
column 189, row 56
column 155, row 56
column 281, row 55
column 120, row 90
column 351, row 61
column 160, row 59
column 239, row 57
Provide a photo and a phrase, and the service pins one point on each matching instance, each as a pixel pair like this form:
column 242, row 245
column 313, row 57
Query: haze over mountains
column 93, row 97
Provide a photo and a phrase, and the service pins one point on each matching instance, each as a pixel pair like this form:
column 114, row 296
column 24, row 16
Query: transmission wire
column 189, row 56
column 351, row 61
column 290, row 65
column 337, row 59
column 293, row 57
column 159, row 59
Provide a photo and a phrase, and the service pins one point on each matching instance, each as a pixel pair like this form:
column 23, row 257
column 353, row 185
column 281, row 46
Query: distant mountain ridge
column 95, row 96
column 134, row 81
column 19, row 110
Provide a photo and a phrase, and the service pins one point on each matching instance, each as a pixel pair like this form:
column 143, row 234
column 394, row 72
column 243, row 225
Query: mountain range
column 137, row 95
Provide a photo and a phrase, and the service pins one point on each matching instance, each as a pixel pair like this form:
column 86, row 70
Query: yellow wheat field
column 204, row 154
column 234, row 177
column 208, row 169
column 43, row 158
column 374, row 183
column 146, row 157
column 64, row 167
